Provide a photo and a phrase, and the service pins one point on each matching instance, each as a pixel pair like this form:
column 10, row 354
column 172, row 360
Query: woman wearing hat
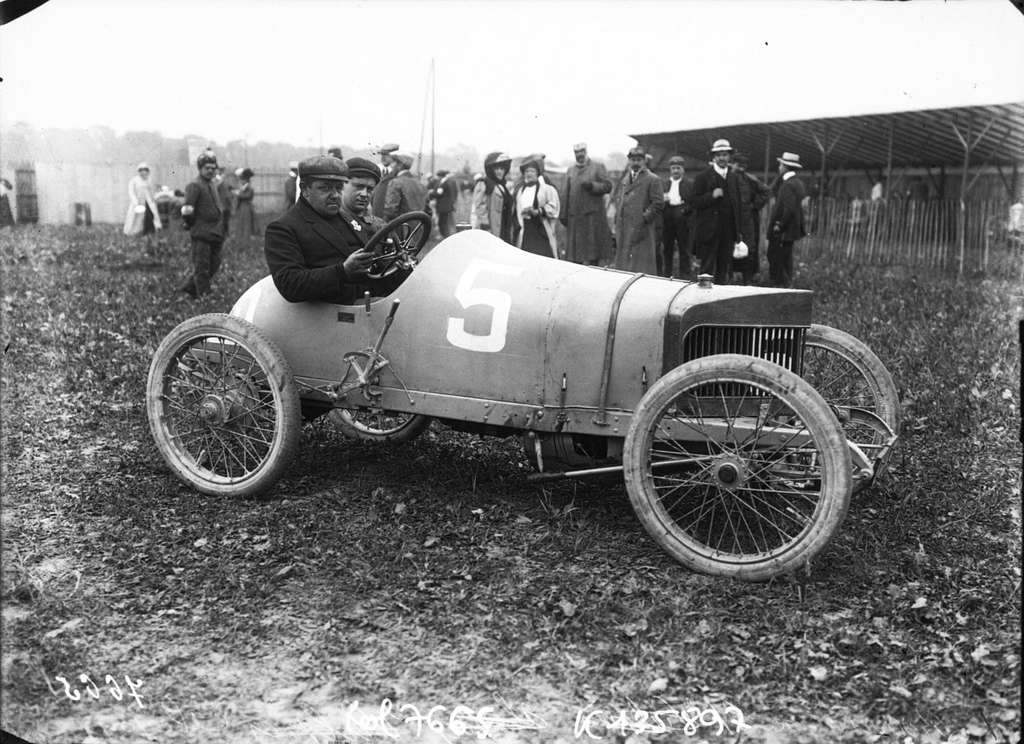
column 142, row 218
column 536, row 211
column 245, row 214
column 493, row 205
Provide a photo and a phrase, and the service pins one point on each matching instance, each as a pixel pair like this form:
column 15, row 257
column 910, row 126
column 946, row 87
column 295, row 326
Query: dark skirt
column 148, row 226
column 535, row 238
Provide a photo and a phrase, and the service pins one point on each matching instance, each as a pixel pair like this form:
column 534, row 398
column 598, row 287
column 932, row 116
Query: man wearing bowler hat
column 786, row 223
column 716, row 204
column 676, row 220
column 315, row 250
column 638, row 204
column 588, row 240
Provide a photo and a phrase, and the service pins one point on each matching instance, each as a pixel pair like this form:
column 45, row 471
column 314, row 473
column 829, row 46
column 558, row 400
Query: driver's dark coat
column 305, row 253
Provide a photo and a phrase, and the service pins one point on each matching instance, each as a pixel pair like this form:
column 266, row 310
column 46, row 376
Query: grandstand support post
column 768, row 152
column 888, row 162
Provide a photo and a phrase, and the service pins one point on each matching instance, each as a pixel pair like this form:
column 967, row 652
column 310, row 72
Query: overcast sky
column 518, row 76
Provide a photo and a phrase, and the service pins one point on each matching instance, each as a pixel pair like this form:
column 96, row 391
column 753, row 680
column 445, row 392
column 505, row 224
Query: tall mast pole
column 433, row 110
column 423, row 119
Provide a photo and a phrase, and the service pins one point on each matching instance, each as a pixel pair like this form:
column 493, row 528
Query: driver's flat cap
column 388, row 147
column 363, row 168
column 324, row 168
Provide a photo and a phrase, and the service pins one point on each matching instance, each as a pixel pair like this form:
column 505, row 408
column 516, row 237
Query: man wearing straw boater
column 715, row 199
column 786, row 224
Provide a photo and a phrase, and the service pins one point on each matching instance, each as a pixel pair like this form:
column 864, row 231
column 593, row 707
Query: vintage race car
column 741, row 429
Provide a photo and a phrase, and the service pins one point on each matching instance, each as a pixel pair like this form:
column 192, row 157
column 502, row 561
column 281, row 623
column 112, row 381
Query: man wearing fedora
column 717, row 206
column 588, row 240
column 315, row 250
column 676, row 221
column 638, row 203
column 786, row 223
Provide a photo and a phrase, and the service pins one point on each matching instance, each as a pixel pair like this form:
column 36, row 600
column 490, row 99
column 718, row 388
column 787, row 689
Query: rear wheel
column 222, row 406
column 376, row 425
column 737, row 467
column 852, row 379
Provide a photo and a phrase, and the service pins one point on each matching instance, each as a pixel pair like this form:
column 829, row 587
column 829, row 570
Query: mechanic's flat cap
column 676, row 160
column 636, row 152
column 404, row 159
column 362, row 168
column 389, row 147
column 324, row 168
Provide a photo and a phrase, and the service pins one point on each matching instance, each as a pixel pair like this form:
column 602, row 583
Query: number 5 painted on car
column 468, row 295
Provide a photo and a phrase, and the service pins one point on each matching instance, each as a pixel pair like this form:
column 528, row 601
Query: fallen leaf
column 903, row 692
column 658, row 685
column 568, row 608
column 430, row 542
column 200, row 542
column 69, row 625
column 980, row 652
column 399, row 508
column 819, row 673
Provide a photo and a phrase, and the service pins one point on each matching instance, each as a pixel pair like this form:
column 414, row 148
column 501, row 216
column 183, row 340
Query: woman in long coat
column 638, row 204
column 245, row 214
column 142, row 217
column 493, row 205
column 536, row 211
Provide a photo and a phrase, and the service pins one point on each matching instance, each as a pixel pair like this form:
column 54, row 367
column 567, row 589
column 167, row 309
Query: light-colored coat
column 637, row 206
column 547, row 202
column 583, row 213
column 487, row 207
column 140, row 192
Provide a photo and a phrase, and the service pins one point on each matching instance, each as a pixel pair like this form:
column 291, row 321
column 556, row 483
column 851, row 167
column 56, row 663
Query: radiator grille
column 782, row 345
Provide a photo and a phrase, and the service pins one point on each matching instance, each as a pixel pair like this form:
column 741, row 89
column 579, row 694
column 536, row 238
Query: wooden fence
column 916, row 233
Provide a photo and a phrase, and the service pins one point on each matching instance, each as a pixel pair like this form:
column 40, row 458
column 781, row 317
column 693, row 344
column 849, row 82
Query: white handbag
column 740, row 250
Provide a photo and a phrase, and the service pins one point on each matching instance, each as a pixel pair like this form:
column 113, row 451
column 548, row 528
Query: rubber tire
column 415, row 425
column 822, row 426
column 874, row 373
column 272, row 365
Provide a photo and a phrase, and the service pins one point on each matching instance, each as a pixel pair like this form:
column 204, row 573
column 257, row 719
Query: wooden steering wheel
column 403, row 238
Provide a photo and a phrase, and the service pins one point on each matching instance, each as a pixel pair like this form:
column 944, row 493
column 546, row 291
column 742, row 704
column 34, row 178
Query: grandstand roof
column 918, row 139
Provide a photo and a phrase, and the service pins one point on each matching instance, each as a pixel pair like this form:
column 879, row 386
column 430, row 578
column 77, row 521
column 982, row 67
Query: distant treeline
column 24, row 143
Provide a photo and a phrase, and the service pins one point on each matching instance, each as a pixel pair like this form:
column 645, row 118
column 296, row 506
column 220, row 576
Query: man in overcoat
column 717, row 205
column 389, row 169
column 405, row 193
column 675, row 236
column 202, row 214
column 588, row 239
column 638, row 205
column 315, row 250
column 446, row 198
column 786, row 224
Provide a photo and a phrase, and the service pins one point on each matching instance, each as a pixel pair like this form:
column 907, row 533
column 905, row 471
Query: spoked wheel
column 737, row 467
column 222, row 406
column 851, row 378
column 403, row 238
column 376, row 425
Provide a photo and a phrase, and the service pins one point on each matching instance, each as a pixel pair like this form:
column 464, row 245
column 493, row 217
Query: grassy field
column 434, row 575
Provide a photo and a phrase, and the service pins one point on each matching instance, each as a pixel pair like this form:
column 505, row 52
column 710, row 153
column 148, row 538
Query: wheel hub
column 219, row 409
column 729, row 472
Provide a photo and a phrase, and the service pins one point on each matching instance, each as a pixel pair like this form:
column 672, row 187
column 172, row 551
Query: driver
column 315, row 250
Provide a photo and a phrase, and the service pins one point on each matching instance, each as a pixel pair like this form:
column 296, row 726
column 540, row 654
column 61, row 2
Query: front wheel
column 737, row 467
column 853, row 380
column 222, row 406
